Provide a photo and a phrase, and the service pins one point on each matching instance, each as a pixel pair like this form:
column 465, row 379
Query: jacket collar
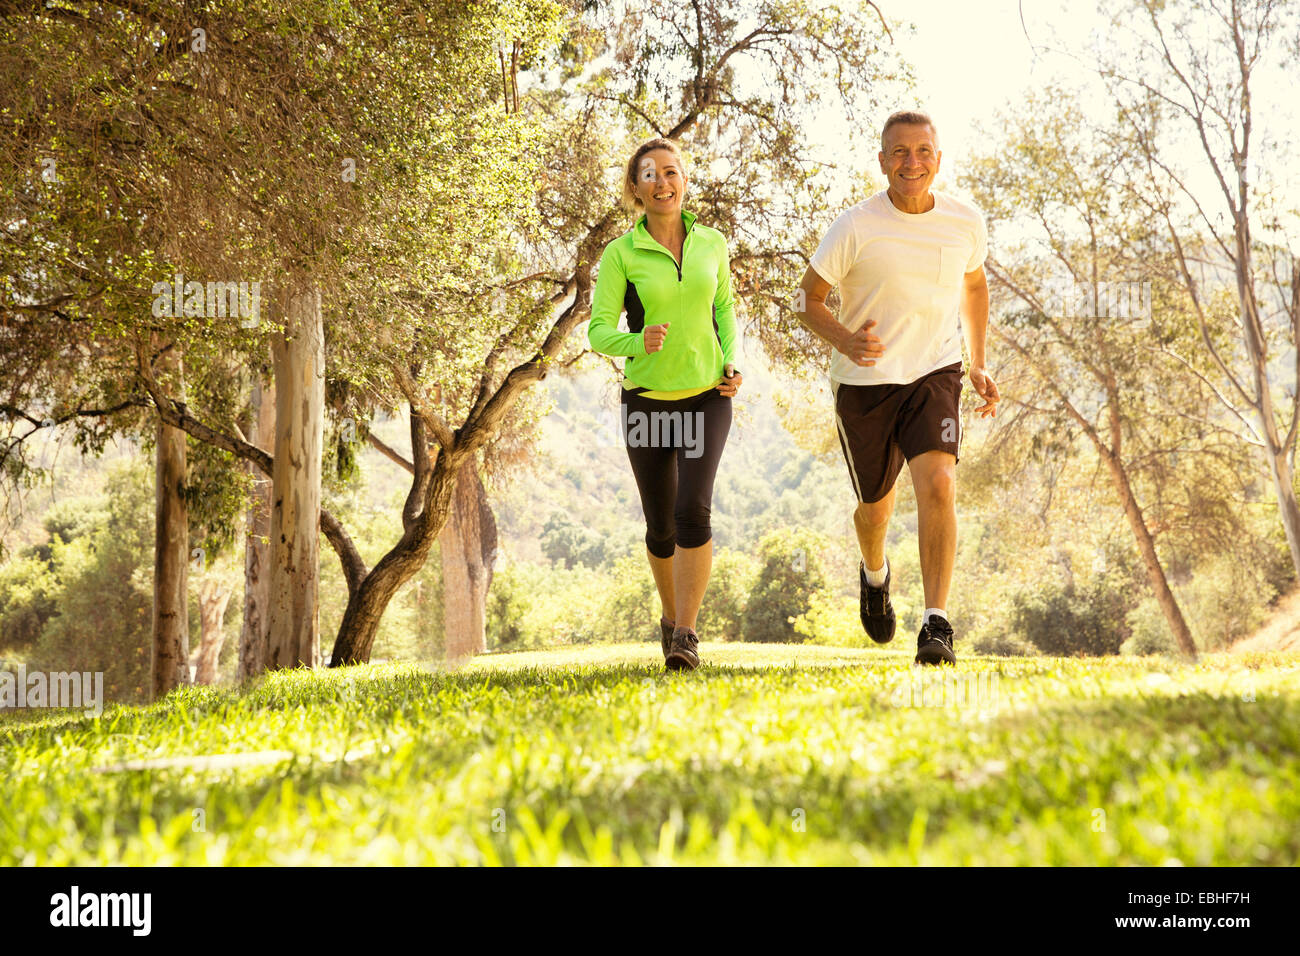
column 641, row 238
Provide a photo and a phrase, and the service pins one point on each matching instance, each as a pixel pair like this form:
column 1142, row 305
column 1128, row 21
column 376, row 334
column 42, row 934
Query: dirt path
column 1281, row 632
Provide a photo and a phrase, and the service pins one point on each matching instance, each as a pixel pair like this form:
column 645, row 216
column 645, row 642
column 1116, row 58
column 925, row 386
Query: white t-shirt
column 905, row 271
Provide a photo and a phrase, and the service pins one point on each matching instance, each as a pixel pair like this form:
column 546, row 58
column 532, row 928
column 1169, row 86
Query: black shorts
column 881, row 426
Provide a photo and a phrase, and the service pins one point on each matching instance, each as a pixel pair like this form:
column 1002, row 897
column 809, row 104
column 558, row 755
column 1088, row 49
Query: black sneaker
column 666, row 635
column 934, row 643
column 683, row 651
column 874, row 607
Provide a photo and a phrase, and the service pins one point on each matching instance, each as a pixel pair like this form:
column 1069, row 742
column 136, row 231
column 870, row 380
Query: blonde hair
column 630, row 199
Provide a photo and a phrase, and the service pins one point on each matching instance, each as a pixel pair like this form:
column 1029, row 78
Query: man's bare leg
column 934, row 477
column 871, row 521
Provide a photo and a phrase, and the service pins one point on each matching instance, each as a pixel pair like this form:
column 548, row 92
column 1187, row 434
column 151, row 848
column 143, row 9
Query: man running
column 908, row 263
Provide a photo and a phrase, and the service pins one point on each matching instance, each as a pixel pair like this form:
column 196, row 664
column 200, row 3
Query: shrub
column 566, row 542
column 532, row 606
column 722, row 616
column 1063, row 619
column 790, row 573
column 26, row 602
column 1226, row 600
column 831, row 619
column 509, row 601
column 1000, row 643
column 632, row 604
column 104, row 593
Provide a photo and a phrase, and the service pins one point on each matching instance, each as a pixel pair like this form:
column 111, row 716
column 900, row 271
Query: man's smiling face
column 910, row 159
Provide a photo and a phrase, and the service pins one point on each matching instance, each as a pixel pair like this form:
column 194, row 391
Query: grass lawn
column 776, row 753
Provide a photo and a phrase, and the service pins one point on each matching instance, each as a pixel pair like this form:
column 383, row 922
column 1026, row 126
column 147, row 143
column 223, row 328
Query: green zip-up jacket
column 640, row 276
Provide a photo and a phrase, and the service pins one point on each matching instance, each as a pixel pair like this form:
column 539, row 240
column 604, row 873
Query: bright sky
column 972, row 57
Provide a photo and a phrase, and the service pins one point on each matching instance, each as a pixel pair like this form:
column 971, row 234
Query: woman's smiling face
column 660, row 182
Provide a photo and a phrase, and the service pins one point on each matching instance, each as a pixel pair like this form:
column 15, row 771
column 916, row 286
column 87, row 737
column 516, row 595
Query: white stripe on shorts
column 848, row 449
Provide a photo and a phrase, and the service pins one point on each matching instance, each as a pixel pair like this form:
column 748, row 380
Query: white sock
column 877, row 578
column 934, row 612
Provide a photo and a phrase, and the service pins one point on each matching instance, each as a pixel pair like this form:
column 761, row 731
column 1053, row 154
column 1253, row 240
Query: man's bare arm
column 810, row 307
column 975, row 309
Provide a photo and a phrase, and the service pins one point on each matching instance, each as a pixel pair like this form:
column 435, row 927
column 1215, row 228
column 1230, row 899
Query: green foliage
column 1063, row 618
column 1223, row 602
column 27, row 588
column 532, row 606
column 790, row 573
column 1149, row 631
column 567, row 542
column 632, row 605
column 103, row 593
column 833, row 620
column 509, row 601
column 722, row 615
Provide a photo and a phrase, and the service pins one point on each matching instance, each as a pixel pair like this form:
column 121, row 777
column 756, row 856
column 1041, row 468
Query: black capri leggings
column 675, row 446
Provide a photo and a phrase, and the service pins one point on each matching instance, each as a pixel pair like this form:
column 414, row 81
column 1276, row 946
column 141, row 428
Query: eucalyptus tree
column 344, row 158
column 735, row 83
column 1087, row 308
column 1189, row 79
column 382, row 168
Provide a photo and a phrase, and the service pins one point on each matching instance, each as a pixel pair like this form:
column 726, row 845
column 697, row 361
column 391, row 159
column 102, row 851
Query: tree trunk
column 170, row 565
column 468, row 546
column 1279, row 458
column 293, row 619
column 213, row 598
column 257, row 540
column 1147, row 548
column 1279, row 462
column 367, row 603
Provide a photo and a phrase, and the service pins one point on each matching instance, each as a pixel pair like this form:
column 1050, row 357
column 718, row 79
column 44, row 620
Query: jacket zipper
column 676, row 264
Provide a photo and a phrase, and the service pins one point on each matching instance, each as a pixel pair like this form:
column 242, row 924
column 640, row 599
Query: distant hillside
column 766, row 480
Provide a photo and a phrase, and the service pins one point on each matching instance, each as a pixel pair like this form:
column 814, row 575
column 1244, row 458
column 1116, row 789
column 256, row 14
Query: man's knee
column 875, row 514
column 939, row 484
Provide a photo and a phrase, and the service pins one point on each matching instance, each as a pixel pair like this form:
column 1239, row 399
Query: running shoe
column 683, row 653
column 934, row 643
column 874, row 607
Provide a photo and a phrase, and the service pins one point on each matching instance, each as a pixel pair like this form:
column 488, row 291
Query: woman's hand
column 731, row 380
column 654, row 336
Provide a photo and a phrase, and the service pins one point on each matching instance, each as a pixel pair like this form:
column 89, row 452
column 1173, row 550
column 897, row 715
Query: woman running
column 673, row 278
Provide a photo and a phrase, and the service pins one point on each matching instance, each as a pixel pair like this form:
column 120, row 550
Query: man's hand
column 654, row 336
column 731, row 380
column 987, row 389
column 861, row 346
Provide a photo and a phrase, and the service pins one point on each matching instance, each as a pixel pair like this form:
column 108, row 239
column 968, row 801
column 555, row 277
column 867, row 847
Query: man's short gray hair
column 910, row 118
